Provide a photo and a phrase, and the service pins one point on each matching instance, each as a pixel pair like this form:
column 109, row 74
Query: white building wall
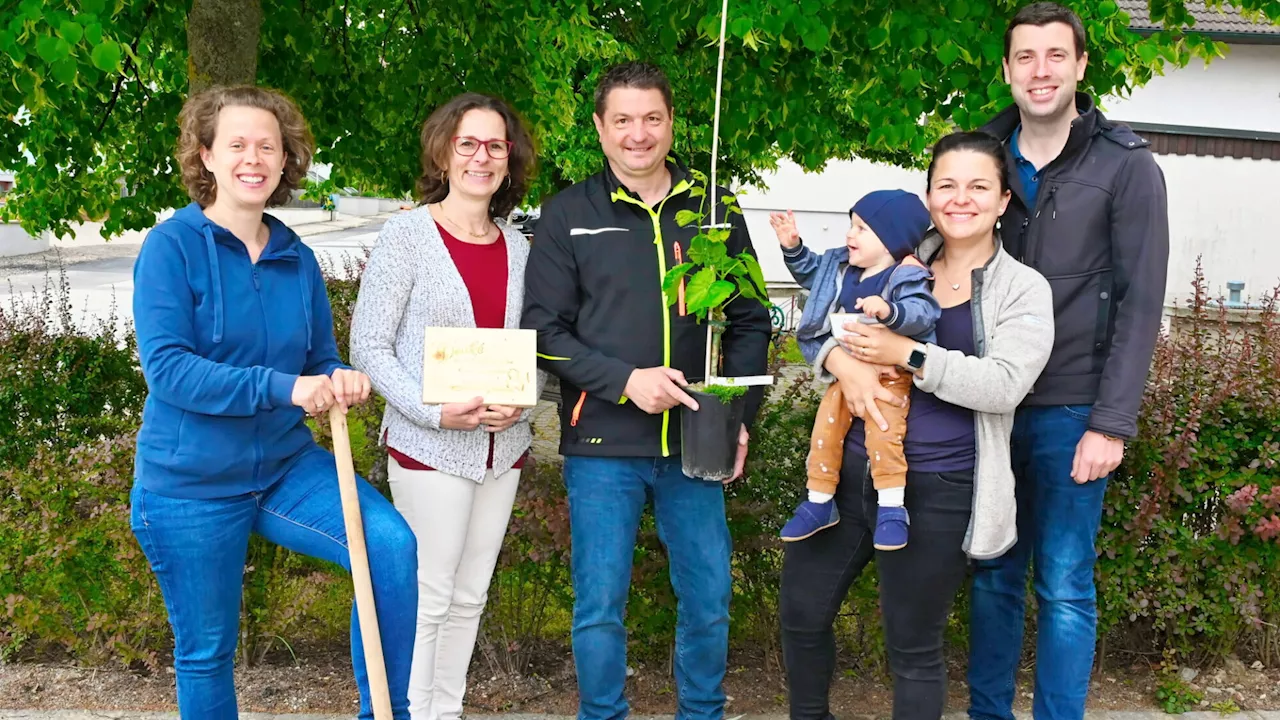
column 1238, row 92
column 1218, row 208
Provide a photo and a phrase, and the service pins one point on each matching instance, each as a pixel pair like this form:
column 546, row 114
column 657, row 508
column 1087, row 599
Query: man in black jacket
column 593, row 291
column 1090, row 213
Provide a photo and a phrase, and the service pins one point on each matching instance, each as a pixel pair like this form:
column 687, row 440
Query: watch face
column 916, row 360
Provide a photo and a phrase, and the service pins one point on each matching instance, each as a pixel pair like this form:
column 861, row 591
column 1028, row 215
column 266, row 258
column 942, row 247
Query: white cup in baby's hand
column 838, row 319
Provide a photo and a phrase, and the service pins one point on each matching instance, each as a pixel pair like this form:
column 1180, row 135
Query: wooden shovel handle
column 367, row 614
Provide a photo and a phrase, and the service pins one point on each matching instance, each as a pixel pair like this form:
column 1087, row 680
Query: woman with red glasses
column 453, row 469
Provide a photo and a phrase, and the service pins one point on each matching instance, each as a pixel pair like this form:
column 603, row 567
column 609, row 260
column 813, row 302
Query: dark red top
column 484, row 271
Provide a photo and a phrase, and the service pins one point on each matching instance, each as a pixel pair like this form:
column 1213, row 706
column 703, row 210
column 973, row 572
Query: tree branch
column 391, row 23
column 124, row 69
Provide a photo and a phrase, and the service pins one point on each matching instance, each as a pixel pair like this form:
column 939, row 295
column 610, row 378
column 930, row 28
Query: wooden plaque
column 459, row 364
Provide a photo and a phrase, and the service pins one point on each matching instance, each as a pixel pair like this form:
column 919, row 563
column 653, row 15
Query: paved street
column 103, row 275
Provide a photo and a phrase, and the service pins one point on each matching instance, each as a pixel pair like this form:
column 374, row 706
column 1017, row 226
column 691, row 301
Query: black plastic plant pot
column 709, row 436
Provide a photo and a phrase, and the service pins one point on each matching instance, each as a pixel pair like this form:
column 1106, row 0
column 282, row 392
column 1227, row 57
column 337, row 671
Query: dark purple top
column 854, row 288
column 940, row 436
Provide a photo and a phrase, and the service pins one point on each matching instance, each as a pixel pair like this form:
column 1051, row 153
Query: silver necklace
column 954, row 286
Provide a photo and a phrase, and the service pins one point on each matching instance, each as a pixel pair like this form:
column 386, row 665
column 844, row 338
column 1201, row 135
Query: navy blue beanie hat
column 897, row 217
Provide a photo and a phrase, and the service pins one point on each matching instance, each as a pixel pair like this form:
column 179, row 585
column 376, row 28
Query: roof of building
column 1225, row 21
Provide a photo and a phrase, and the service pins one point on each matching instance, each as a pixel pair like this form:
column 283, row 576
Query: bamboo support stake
column 715, row 153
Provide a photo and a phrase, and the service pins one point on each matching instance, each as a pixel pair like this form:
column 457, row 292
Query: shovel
column 367, row 614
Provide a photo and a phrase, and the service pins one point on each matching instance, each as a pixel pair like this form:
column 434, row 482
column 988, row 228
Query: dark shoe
column 891, row 528
column 810, row 519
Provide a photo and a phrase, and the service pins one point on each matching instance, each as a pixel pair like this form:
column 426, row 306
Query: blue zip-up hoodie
column 915, row 310
column 222, row 341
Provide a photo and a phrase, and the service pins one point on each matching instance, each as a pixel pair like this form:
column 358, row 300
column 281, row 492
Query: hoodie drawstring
column 303, row 287
column 215, row 282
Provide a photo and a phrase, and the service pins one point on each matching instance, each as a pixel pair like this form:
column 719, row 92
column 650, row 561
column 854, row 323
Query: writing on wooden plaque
column 498, row 365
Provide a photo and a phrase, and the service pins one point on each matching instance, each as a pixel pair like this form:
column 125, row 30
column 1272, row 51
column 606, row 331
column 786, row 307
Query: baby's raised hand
column 784, row 225
column 875, row 306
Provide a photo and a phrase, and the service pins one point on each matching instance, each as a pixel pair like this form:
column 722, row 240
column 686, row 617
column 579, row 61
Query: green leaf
column 1115, row 57
column 1148, row 52
column 695, row 294
column 687, row 217
column 93, row 34
column 948, row 53
column 1107, row 8
column 753, row 268
column 705, row 292
column 816, row 39
column 671, row 282
column 697, row 191
column 64, row 71
column 71, row 32
column 910, row 79
column 739, row 27
column 93, row 6
column 706, row 251
column 720, row 292
column 877, row 36
column 106, row 56
column 47, row 49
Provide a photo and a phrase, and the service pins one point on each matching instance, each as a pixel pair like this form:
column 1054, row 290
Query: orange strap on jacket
column 680, row 260
column 577, row 409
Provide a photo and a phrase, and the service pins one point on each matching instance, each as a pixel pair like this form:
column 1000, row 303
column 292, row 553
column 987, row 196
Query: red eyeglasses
column 467, row 146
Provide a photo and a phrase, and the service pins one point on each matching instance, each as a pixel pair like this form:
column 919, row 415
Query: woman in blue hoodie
column 236, row 339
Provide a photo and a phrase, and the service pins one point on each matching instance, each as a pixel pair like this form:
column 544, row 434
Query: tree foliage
column 92, row 88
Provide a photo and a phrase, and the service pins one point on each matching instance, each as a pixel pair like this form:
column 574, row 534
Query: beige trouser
column 460, row 525
column 884, row 448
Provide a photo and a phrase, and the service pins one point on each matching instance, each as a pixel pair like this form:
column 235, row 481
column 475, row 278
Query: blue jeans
column 197, row 550
column 1057, row 525
column 606, row 499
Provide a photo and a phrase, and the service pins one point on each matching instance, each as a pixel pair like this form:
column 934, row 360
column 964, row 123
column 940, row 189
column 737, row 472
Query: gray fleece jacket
column 1013, row 335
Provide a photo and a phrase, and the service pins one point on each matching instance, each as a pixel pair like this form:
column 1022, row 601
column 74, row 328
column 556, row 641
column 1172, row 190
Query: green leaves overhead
column 101, row 82
column 106, row 56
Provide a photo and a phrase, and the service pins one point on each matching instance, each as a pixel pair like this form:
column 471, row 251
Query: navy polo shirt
column 1027, row 173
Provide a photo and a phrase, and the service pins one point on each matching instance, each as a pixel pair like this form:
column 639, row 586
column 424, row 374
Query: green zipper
column 656, row 217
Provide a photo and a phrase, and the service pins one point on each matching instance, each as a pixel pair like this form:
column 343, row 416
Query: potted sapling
column 709, row 281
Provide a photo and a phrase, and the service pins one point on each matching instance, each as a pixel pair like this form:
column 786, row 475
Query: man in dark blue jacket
column 1089, row 211
column 593, row 291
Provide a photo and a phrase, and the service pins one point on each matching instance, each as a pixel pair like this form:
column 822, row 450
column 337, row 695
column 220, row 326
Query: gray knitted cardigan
column 410, row 284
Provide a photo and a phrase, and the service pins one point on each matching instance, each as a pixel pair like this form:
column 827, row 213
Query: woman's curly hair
column 437, row 148
column 199, row 122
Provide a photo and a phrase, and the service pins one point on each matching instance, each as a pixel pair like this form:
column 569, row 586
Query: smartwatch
column 915, row 360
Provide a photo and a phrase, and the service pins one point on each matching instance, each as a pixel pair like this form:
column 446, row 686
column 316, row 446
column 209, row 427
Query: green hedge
column 1189, row 538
